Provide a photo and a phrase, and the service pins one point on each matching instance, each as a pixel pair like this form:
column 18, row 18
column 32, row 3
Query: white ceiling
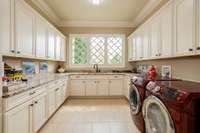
column 109, row 10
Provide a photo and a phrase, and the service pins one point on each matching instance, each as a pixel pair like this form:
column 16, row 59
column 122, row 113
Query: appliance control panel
column 138, row 80
column 174, row 95
column 170, row 93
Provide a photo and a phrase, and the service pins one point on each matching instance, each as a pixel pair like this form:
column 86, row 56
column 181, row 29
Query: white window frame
column 106, row 65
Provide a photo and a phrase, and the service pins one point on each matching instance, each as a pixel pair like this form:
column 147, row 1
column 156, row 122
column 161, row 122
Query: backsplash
column 17, row 63
column 186, row 68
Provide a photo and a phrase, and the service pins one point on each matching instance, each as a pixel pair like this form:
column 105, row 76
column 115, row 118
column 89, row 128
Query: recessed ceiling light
column 96, row 2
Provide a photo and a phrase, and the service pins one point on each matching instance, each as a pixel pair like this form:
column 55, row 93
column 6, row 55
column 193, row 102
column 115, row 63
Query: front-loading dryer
column 172, row 107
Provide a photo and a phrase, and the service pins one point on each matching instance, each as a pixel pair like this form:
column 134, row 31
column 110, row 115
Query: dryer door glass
column 157, row 117
column 135, row 100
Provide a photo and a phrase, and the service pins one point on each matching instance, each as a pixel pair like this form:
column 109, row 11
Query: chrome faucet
column 96, row 67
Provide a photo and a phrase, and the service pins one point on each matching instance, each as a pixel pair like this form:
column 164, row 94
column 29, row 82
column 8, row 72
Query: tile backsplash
column 17, row 63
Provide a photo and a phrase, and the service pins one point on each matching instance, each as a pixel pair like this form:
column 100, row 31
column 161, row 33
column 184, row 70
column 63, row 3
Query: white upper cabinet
column 145, row 41
column 63, row 49
column 130, row 49
column 41, row 38
column 185, row 24
column 155, row 36
column 51, row 44
column 138, row 45
column 24, row 32
column 166, row 30
column 5, row 28
column 58, row 47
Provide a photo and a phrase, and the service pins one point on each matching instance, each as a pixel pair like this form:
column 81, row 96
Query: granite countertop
column 37, row 80
column 33, row 82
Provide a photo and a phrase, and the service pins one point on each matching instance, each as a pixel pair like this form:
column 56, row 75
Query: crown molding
column 149, row 7
column 147, row 10
column 41, row 4
column 96, row 24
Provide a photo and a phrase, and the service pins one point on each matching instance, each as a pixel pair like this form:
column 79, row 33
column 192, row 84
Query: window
column 105, row 50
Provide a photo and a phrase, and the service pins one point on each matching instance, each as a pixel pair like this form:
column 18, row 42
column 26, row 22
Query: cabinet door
column 145, row 41
column 77, row 87
column 24, row 24
column 102, row 88
column 155, row 36
column 130, row 49
column 139, row 47
column 116, row 87
column 166, row 30
column 51, row 44
column 51, row 102
column 58, row 47
column 41, row 37
column 18, row 120
column 5, row 26
column 59, row 97
column 63, row 49
column 127, row 81
column 184, row 27
column 39, row 111
column 90, row 89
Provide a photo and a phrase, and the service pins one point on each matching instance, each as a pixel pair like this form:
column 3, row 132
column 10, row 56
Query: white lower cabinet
column 96, row 86
column 90, row 89
column 18, row 120
column 39, row 111
column 77, row 88
column 127, row 82
column 116, row 87
column 59, row 96
column 102, row 88
column 51, row 102
column 34, row 109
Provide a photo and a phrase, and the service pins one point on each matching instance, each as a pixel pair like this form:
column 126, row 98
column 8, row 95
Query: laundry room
column 99, row 66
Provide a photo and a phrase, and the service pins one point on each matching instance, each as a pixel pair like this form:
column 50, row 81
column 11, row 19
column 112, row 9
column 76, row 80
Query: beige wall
column 93, row 30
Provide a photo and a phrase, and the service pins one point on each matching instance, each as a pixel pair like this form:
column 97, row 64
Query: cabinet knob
column 190, row 49
column 18, row 52
column 12, row 51
column 36, row 102
column 31, row 105
column 31, row 93
column 198, row 48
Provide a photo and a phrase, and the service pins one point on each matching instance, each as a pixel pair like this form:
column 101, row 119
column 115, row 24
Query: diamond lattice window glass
column 114, row 47
column 79, row 50
column 105, row 50
column 97, row 50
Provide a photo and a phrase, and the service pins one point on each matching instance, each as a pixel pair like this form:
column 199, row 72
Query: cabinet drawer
column 16, row 100
column 96, row 77
column 77, row 77
column 116, row 76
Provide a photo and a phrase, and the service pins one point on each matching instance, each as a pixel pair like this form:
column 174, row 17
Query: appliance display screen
column 171, row 94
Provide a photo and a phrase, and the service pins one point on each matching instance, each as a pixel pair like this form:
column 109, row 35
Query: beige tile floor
column 92, row 116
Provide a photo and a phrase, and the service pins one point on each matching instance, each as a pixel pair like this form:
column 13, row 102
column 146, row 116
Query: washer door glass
column 135, row 100
column 157, row 117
